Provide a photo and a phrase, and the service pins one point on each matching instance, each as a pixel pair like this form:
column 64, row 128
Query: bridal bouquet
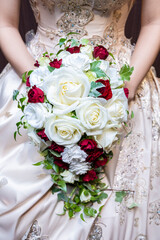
column 74, row 108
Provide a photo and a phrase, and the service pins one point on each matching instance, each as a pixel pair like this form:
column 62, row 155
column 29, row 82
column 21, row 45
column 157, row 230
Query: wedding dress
column 28, row 210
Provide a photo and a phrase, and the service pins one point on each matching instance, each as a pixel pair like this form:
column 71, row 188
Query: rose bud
column 100, row 52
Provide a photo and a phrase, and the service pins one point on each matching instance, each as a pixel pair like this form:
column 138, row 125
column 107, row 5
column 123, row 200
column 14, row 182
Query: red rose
column 42, row 135
column 126, row 91
column 105, row 91
column 60, row 163
column 35, row 95
column 55, row 63
column 94, row 154
column 28, row 82
column 36, row 64
column 88, row 144
column 57, row 148
column 75, row 49
column 89, row 176
column 100, row 162
column 100, row 52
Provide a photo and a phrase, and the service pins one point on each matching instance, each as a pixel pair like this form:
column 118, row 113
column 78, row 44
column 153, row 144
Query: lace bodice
column 101, row 21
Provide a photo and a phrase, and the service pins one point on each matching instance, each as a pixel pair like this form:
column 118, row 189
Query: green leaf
column 62, row 41
column 56, row 154
column 82, row 217
column 15, row 94
column 126, row 72
column 51, row 69
column 55, row 168
column 29, row 73
column 61, row 50
column 133, row 205
column 55, row 189
column 70, row 213
column 84, row 41
column 74, row 43
column 100, row 209
column 70, row 33
column 103, row 196
column 93, row 90
column 22, row 99
column 38, row 163
column 24, row 80
column 94, row 67
column 90, row 212
column 112, row 55
column 62, row 197
column 77, row 209
column 15, row 135
column 120, row 196
column 132, row 114
column 62, row 185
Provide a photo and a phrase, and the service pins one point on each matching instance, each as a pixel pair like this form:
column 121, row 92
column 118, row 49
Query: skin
column 146, row 49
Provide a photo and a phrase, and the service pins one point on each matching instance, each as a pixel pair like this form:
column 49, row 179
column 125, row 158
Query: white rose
column 117, row 107
column 35, row 114
column 92, row 115
column 41, row 144
column 113, row 75
column 69, row 177
column 88, row 50
column 63, row 54
column 63, row 130
column 38, row 76
column 77, row 60
column 107, row 138
column 65, row 87
column 85, row 196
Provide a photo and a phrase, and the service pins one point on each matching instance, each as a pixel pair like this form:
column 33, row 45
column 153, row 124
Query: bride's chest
column 67, row 5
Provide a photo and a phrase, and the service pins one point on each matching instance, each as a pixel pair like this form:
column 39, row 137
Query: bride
column 28, row 210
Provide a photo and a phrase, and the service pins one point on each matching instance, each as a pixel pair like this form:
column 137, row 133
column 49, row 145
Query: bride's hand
column 132, row 91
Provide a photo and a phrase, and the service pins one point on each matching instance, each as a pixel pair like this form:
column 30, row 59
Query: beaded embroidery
column 34, row 233
column 154, row 212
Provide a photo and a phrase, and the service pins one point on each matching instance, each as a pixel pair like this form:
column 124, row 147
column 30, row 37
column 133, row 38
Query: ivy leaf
column 24, row 80
column 90, row 212
column 62, row 197
column 94, row 67
column 120, row 196
column 55, row 168
column 70, row 213
column 38, row 163
column 15, row 94
column 126, row 72
column 133, row 205
column 55, row 189
column 84, row 41
column 82, row 217
column 29, row 73
column 51, row 69
column 112, row 55
column 71, row 33
column 62, row 185
column 74, row 43
column 93, row 90
column 132, row 114
column 56, row 154
column 62, row 41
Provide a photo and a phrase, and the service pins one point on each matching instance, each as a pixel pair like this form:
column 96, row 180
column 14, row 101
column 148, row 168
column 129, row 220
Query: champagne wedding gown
column 28, row 210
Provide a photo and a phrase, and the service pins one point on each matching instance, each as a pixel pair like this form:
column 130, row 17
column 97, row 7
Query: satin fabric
column 25, row 189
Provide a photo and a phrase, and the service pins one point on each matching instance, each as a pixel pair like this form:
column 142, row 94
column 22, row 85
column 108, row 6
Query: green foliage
column 94, row 67
column 51, row 69
column 62, row 41
column 126, row 72
column 120, row 196
column 15, row 94
column 93, row 90
column 84, row 41
column 24, row 75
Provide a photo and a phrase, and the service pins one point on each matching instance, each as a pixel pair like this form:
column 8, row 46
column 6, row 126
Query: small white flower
column 73, row 153
column 69, row 177
column 35, row 114
column 44, row 61
column 85, row 196
column 38, row 77
column 87, row 50
column 79, row 168
column 76, row 157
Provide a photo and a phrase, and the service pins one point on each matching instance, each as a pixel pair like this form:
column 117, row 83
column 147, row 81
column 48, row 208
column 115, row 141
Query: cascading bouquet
column 74, row 108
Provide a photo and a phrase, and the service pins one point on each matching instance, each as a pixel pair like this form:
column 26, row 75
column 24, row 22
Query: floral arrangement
column 74, row 108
